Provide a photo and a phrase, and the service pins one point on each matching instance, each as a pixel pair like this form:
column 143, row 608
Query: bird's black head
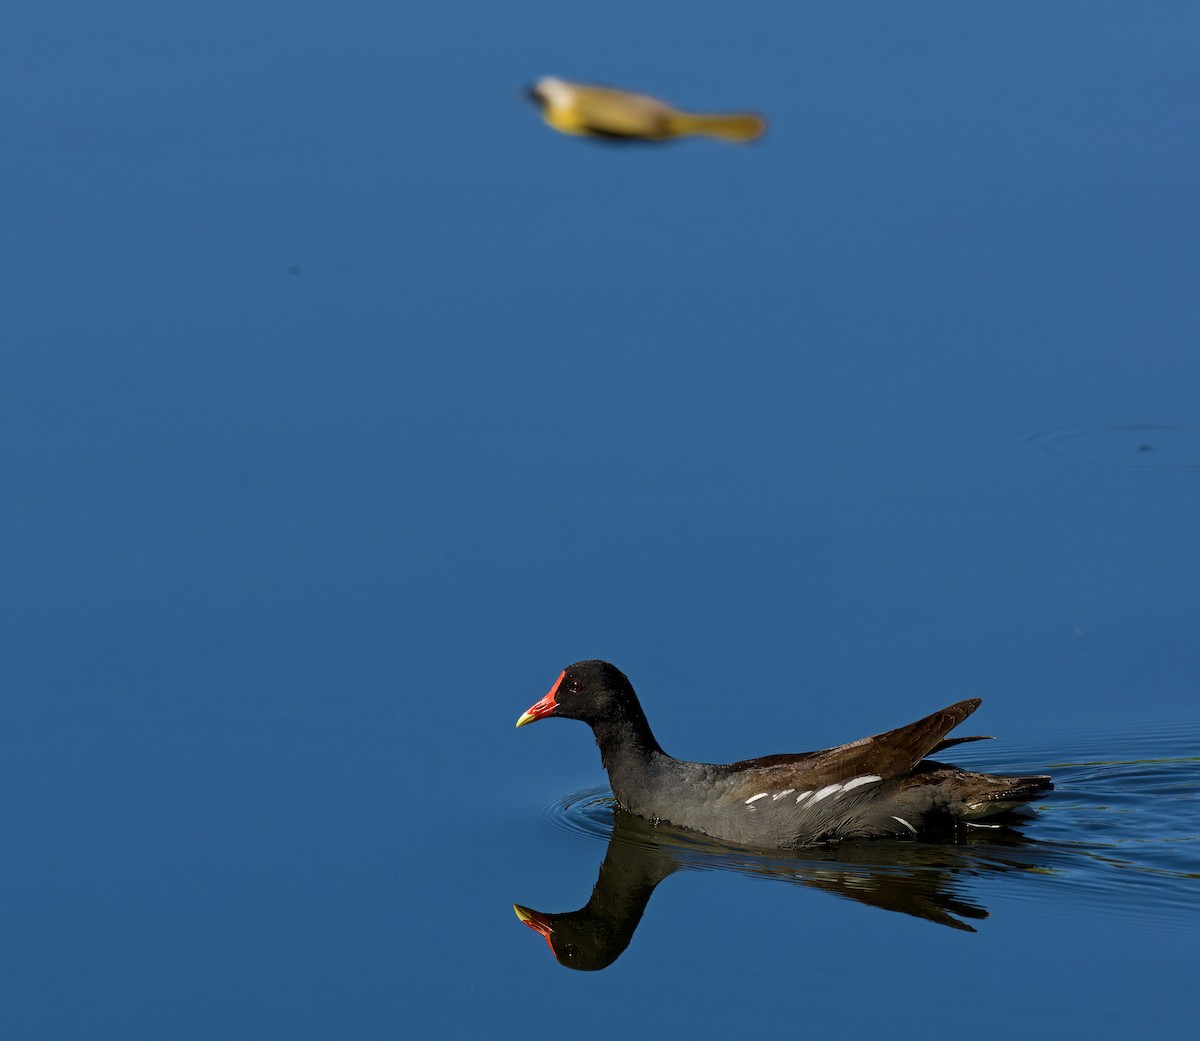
column 578, row 939
column 590, row 691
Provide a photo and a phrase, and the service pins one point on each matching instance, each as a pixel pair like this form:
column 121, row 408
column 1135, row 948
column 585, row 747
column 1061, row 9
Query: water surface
column 342, row 404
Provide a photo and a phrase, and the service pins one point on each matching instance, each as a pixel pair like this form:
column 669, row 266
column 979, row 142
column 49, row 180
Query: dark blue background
column 342, row 404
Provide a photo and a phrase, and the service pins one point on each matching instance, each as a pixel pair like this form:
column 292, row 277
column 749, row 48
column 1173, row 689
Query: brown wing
column 891, row 754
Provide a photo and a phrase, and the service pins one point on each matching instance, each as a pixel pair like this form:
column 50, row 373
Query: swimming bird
column 579, row 108
column 876, row 787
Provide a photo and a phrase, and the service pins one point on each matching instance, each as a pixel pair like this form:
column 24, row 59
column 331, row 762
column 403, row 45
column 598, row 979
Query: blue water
column 342, row 404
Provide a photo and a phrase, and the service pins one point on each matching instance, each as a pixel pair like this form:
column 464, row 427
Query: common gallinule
column 876, row 787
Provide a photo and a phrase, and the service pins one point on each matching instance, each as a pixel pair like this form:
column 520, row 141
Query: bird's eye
column 573, row 686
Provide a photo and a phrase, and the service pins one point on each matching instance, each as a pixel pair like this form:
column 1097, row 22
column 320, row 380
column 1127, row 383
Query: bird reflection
column 925, row 880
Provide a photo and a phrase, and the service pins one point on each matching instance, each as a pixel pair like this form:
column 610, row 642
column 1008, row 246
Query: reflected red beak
column 540, row 924
column 546, row 706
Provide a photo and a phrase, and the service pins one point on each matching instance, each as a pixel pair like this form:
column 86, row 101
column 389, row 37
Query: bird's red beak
column 540, row 924
column 546, row 706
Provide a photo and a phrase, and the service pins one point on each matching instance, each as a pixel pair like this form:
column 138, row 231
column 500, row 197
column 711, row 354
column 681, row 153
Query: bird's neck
column 631, row 756
column 626, row 882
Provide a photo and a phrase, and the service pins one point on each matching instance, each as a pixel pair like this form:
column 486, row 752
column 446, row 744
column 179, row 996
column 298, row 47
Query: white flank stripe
column 865, row 779
column 905, row 823
column 803, row 795
column 786, row 791
column 829, row 789
column 755, row 798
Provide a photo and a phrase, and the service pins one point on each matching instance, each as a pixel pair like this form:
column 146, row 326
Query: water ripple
column 1135, row 446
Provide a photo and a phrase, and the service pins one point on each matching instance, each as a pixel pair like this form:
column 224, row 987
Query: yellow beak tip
column 526, row 718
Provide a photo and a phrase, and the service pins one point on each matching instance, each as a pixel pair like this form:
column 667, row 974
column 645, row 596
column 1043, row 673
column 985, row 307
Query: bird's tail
column 738, row 126
column 986, row 795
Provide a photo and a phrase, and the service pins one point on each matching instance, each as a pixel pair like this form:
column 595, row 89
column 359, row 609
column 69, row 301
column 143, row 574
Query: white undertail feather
column 978, row 810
